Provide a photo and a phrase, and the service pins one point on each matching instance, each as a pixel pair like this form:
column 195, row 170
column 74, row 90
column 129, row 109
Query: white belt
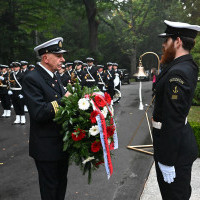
column 16, row 88
column 90, row 80
column 3, row 86
column 158, row 125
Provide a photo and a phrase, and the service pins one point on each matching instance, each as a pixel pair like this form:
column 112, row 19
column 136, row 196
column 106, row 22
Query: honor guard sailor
column 15, row 91
column 43, row 91
column 175, row 148
column 110, row 79
column 5, row 98
column 91, row 73
column 63, row 76
column 80, row 74
column 102, row 78
column 24, row 71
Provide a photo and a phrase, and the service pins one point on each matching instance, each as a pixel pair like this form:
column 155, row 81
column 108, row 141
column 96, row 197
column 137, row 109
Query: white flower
column 105, row 111
column 88, row 159
column 94, row 130
column 109, row 141
column 83, row 104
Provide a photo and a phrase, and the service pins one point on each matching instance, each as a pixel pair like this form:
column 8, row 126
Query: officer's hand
column 20, row 96
column 168, row 172
column 67, row 94
column 10, row 92
column 1, row 78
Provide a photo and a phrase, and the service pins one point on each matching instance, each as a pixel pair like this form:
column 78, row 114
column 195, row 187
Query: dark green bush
column 196, row 128
column 196, row 99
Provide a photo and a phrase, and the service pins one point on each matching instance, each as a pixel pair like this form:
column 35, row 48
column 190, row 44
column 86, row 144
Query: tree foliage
column 116, row 31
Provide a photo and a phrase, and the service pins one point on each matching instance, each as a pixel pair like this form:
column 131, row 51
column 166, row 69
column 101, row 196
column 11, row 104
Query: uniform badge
column 60, row 44
column 53, row 85
column 175, row 90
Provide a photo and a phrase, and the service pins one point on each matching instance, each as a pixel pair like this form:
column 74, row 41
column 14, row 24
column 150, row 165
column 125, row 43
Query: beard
column 168, row 54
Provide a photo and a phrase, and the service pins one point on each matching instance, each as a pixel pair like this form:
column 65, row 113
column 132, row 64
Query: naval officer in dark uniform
column 5, row 98
column 175, row 148
column 79, row 73
column 102, row 78
column 15, row 91
column 91, row 73
column 43, row 92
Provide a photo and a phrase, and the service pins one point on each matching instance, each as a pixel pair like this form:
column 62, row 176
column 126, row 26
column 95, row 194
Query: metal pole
column 141, row 107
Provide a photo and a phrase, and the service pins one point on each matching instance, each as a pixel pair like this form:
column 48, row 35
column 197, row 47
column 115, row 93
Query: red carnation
column 99, row 101
column 95, row 147
column 108, row 98
column 99, row 163
column 110, row 130
column 78, row 136
column 93, row 116
column 111, row 121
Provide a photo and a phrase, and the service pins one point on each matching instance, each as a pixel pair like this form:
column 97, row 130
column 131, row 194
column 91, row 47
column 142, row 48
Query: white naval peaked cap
column 51, row 46
column 180, row 29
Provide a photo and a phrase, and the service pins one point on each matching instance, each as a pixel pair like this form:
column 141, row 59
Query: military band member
column 117, row 75
column 15, row 86
column 69, row 69
column 91, row 73
column 5, row 98
column 110, row 78
column 175, row 148
column 44, row 91
column 80, row 74
column 84, row 66
column 24, row 71
column 31, row 67
column 24, row 68
column 102, row 78
column 64, row 78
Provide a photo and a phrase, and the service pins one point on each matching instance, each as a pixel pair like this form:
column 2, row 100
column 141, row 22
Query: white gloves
column 20, row 96
column 1, row 78
column 168, row 172
column 10, row 92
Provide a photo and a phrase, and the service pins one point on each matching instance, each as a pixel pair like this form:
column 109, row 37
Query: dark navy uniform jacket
column 43, row 95
column 174, row 143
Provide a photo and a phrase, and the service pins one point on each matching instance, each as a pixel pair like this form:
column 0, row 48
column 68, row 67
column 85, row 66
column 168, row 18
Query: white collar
column 48, row 71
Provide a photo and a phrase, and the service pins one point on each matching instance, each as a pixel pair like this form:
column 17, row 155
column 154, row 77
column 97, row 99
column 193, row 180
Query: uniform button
column 56, row 95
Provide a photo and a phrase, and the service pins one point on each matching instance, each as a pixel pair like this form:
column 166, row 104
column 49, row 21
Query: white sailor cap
column 51, row 46
column 178, row 29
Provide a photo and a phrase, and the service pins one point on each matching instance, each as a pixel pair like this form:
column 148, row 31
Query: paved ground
column 151, row 190
column 18, row 175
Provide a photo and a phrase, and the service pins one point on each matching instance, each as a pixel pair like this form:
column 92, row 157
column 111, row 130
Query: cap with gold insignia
column 51, row 46
column 179, row 29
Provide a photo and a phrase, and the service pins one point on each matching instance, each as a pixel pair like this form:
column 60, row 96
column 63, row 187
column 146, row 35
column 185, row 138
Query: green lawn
column 194, row 114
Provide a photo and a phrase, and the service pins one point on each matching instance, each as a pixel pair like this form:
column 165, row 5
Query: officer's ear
column 178, row 43
column 45, row 58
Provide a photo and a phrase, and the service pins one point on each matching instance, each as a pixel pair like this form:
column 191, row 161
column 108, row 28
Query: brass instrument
column 73, row 76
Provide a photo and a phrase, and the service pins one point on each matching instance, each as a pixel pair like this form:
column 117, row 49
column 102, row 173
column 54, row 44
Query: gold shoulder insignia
column 175, row 91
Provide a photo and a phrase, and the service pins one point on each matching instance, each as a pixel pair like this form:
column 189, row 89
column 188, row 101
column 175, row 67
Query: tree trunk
column 133, row 62
column 93, row 24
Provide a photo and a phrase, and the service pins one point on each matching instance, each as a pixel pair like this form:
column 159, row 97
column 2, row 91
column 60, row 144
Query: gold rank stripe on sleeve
column 55, row 106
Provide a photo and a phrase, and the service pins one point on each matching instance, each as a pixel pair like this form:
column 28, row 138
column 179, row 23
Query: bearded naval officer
column 43, row 91
column 175, row 148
